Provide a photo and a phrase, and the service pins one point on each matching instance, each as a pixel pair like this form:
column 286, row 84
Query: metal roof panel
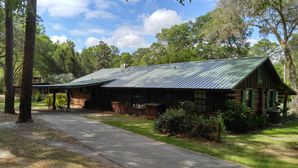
column 210, row 74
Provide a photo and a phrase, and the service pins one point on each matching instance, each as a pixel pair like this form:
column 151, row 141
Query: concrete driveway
column 128, row 149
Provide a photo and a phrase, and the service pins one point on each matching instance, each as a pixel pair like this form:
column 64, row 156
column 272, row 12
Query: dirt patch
column 38, row 145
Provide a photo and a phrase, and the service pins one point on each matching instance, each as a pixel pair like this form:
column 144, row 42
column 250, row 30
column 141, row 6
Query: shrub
column 259, row 121
column 210, row 127
column 37, row 97
column 178, row 121
column 61, row 100
column 238, row 118
column 172, row 121
column 189, row 106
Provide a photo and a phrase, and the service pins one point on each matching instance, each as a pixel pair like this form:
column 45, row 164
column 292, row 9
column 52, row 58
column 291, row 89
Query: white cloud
column 99, row 14
column 134, row 36
column 127, row 37
column 58, row 39
column 91, row 41
column 160, row 19
column 73, row 8
column 63, row 8
column 86, row 31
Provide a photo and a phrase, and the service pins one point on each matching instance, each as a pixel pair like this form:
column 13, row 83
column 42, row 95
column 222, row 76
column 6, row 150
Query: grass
column 17, row 151
column 272, row 147
column 17, row 104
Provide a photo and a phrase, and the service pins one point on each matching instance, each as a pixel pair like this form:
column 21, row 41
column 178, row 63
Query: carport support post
column 54, row 100
column 68, row 99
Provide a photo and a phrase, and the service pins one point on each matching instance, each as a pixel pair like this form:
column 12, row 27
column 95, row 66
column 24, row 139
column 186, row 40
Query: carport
column 66, row 88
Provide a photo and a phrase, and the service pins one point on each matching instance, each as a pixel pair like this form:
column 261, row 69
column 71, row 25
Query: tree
column 227, row 30
column 27, row 72
column 97, row 57
column 8, row 72
column 276, row 17
column 126, row 58
column 266, row 48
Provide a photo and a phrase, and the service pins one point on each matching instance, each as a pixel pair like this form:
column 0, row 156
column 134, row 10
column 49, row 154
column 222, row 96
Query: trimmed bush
column 178, row 121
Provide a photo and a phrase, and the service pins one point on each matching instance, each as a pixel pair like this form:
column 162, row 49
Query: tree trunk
column 27, row 73
column 292, row 75
column 8, row 72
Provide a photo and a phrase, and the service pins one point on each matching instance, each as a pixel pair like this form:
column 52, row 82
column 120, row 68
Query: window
column 272, row 96
column 200, row 99
column 248, row 98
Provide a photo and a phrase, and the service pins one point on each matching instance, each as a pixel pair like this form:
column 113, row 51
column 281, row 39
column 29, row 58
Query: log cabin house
column 252, row 81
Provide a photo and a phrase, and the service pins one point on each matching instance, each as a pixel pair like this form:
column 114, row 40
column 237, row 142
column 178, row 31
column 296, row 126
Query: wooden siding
column 269, row 81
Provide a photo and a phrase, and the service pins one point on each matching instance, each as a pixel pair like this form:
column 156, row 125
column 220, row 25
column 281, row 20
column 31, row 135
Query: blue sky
column 127, row 25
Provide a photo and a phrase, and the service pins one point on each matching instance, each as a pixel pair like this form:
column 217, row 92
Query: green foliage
column 210, row 127
column 126, row 58
column 37, row 97
column 61, row 100
column 172, row 121
column 178, row 121
column 97, row 57
column 1, row 81
column 238, row 118
column 266, row 48
column 62, row 78
column 189, row 106
column 259, row 121
column 273, row 17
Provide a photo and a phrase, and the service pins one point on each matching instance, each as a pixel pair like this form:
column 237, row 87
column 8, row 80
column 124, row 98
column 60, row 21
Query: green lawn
column 17, row 104
column 273, row 147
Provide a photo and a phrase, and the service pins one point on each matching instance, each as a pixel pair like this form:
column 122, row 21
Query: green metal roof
column 210, row 74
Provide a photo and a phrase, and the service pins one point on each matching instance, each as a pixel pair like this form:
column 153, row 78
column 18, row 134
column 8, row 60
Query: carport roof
column 75, row 84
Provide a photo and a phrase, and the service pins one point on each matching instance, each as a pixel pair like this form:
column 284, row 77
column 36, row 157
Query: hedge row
column 178, row 121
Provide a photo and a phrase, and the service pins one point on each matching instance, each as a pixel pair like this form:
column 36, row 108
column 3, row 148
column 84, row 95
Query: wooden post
column 54, row 100
column 68, row 99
